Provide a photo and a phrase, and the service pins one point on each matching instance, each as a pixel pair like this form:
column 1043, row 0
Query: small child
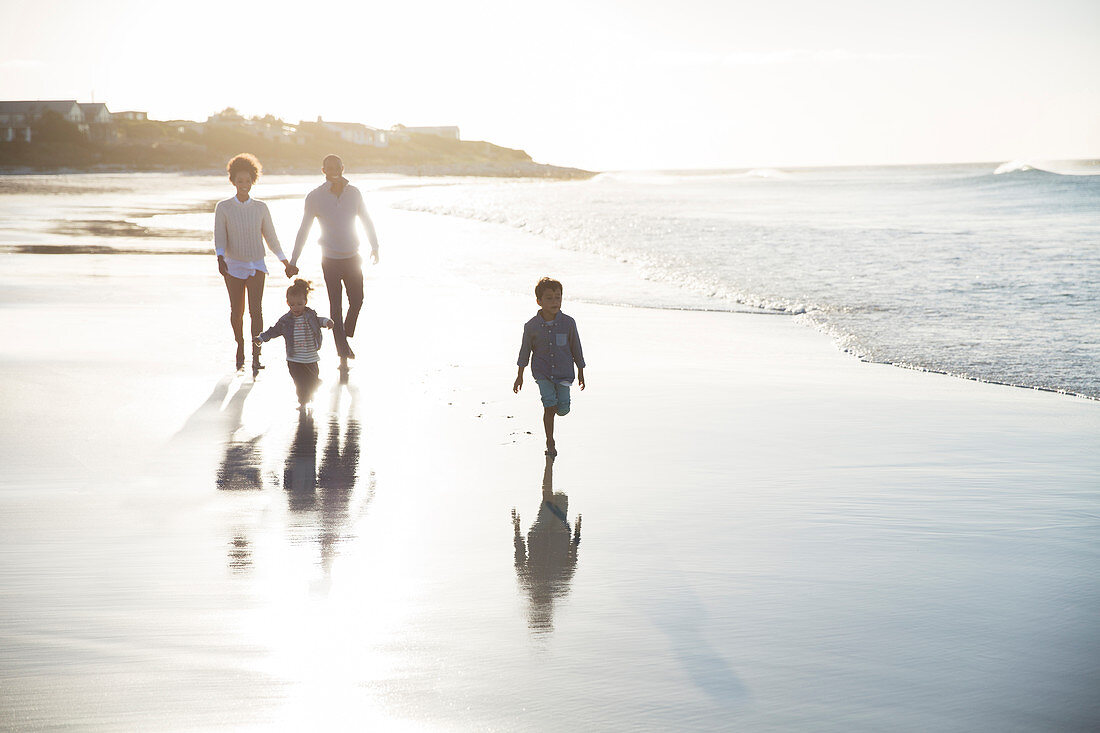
column 552, row 344
column 301, row 329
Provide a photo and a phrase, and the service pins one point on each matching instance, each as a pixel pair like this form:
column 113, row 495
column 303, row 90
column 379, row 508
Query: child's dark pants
column 305, row 378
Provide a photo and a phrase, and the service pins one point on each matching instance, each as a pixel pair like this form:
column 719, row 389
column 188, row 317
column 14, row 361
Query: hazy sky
column 601, row 84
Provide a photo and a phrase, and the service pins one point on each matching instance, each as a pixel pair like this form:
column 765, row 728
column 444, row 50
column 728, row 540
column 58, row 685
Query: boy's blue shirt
column 552, row 347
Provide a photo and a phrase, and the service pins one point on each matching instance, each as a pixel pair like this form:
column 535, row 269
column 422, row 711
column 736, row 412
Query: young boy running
column 552, row 345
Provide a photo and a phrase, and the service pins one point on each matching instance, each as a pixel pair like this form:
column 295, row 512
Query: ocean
column 980, row 271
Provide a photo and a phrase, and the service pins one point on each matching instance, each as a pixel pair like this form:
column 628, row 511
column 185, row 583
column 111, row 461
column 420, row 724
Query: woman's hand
column 222, row 269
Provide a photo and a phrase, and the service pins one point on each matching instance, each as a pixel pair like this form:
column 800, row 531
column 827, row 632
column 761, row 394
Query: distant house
column 448, row 131
column 95, row 113
column 227, row 116
column 275, row 131
column 16, row 118
column 99, row 121
column 130, row 116
column 356, row 133
column 15, row 122
column 183, row 126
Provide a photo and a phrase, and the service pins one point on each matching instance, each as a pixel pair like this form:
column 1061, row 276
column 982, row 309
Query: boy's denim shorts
column 554, row 395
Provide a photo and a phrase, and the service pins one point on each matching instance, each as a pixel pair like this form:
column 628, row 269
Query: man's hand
column 580, row 378
column 222, row 269
column 518, row 384
column 374, row 257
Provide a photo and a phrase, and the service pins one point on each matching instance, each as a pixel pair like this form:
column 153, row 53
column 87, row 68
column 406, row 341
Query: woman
column 241, row 224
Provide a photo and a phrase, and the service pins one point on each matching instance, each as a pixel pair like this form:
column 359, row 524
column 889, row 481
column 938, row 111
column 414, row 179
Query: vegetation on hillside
column 58, row 144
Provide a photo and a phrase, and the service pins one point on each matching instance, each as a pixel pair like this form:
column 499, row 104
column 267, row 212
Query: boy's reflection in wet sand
column 338, row 474
column 546, row 561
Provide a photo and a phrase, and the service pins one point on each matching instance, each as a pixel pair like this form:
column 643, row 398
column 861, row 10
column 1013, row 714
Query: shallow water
column 973, row 270
column 957, row 269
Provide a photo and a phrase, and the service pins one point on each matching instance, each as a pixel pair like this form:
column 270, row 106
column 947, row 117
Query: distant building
column 95, row 113
column 275, row 131
column 15, row 122
column 448, row 131
column 183, row 126
column 130, row 116
column 356, row 133
column 269, row 128
column 227, row 116
column 98, row 120
column 17, row 118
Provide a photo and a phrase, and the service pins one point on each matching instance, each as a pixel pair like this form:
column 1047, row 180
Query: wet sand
column 775, row 536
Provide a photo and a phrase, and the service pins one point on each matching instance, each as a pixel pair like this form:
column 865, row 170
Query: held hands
column 291, row 270
column 257, row 340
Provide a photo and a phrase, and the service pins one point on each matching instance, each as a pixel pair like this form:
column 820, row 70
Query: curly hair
column 545, row 284
column 300, row 287
column 244, row 162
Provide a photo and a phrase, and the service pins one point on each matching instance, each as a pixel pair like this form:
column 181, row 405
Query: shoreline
column 534, row 170
column 979, row 380
column 111, row 237
column 112, row 251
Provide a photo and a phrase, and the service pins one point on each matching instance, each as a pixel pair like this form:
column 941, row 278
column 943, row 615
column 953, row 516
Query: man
column 336, row 204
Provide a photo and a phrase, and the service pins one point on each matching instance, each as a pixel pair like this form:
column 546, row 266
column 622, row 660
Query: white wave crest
column 1013, row 166
column 1058, row 167
column 771, row 173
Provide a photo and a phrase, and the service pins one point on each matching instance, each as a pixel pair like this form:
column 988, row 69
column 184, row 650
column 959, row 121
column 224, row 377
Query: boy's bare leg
column 548, row 414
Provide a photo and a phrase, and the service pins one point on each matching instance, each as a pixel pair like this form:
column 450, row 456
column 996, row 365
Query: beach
column 775, row 535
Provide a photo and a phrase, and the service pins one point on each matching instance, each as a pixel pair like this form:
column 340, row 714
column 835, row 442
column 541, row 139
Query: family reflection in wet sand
column 546, row 561
column 331, row 489
column 326, row 494
column 323, row 500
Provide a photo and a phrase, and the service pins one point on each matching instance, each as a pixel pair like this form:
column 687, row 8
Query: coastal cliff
column 182, row 145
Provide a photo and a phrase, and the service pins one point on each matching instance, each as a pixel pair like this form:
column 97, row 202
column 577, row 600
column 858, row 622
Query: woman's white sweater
column 238, row 228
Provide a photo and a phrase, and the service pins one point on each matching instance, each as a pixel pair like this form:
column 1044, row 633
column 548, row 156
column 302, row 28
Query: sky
column 600, row 84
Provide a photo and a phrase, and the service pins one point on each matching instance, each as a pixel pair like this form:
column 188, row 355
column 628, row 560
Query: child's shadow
column 545, row 563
